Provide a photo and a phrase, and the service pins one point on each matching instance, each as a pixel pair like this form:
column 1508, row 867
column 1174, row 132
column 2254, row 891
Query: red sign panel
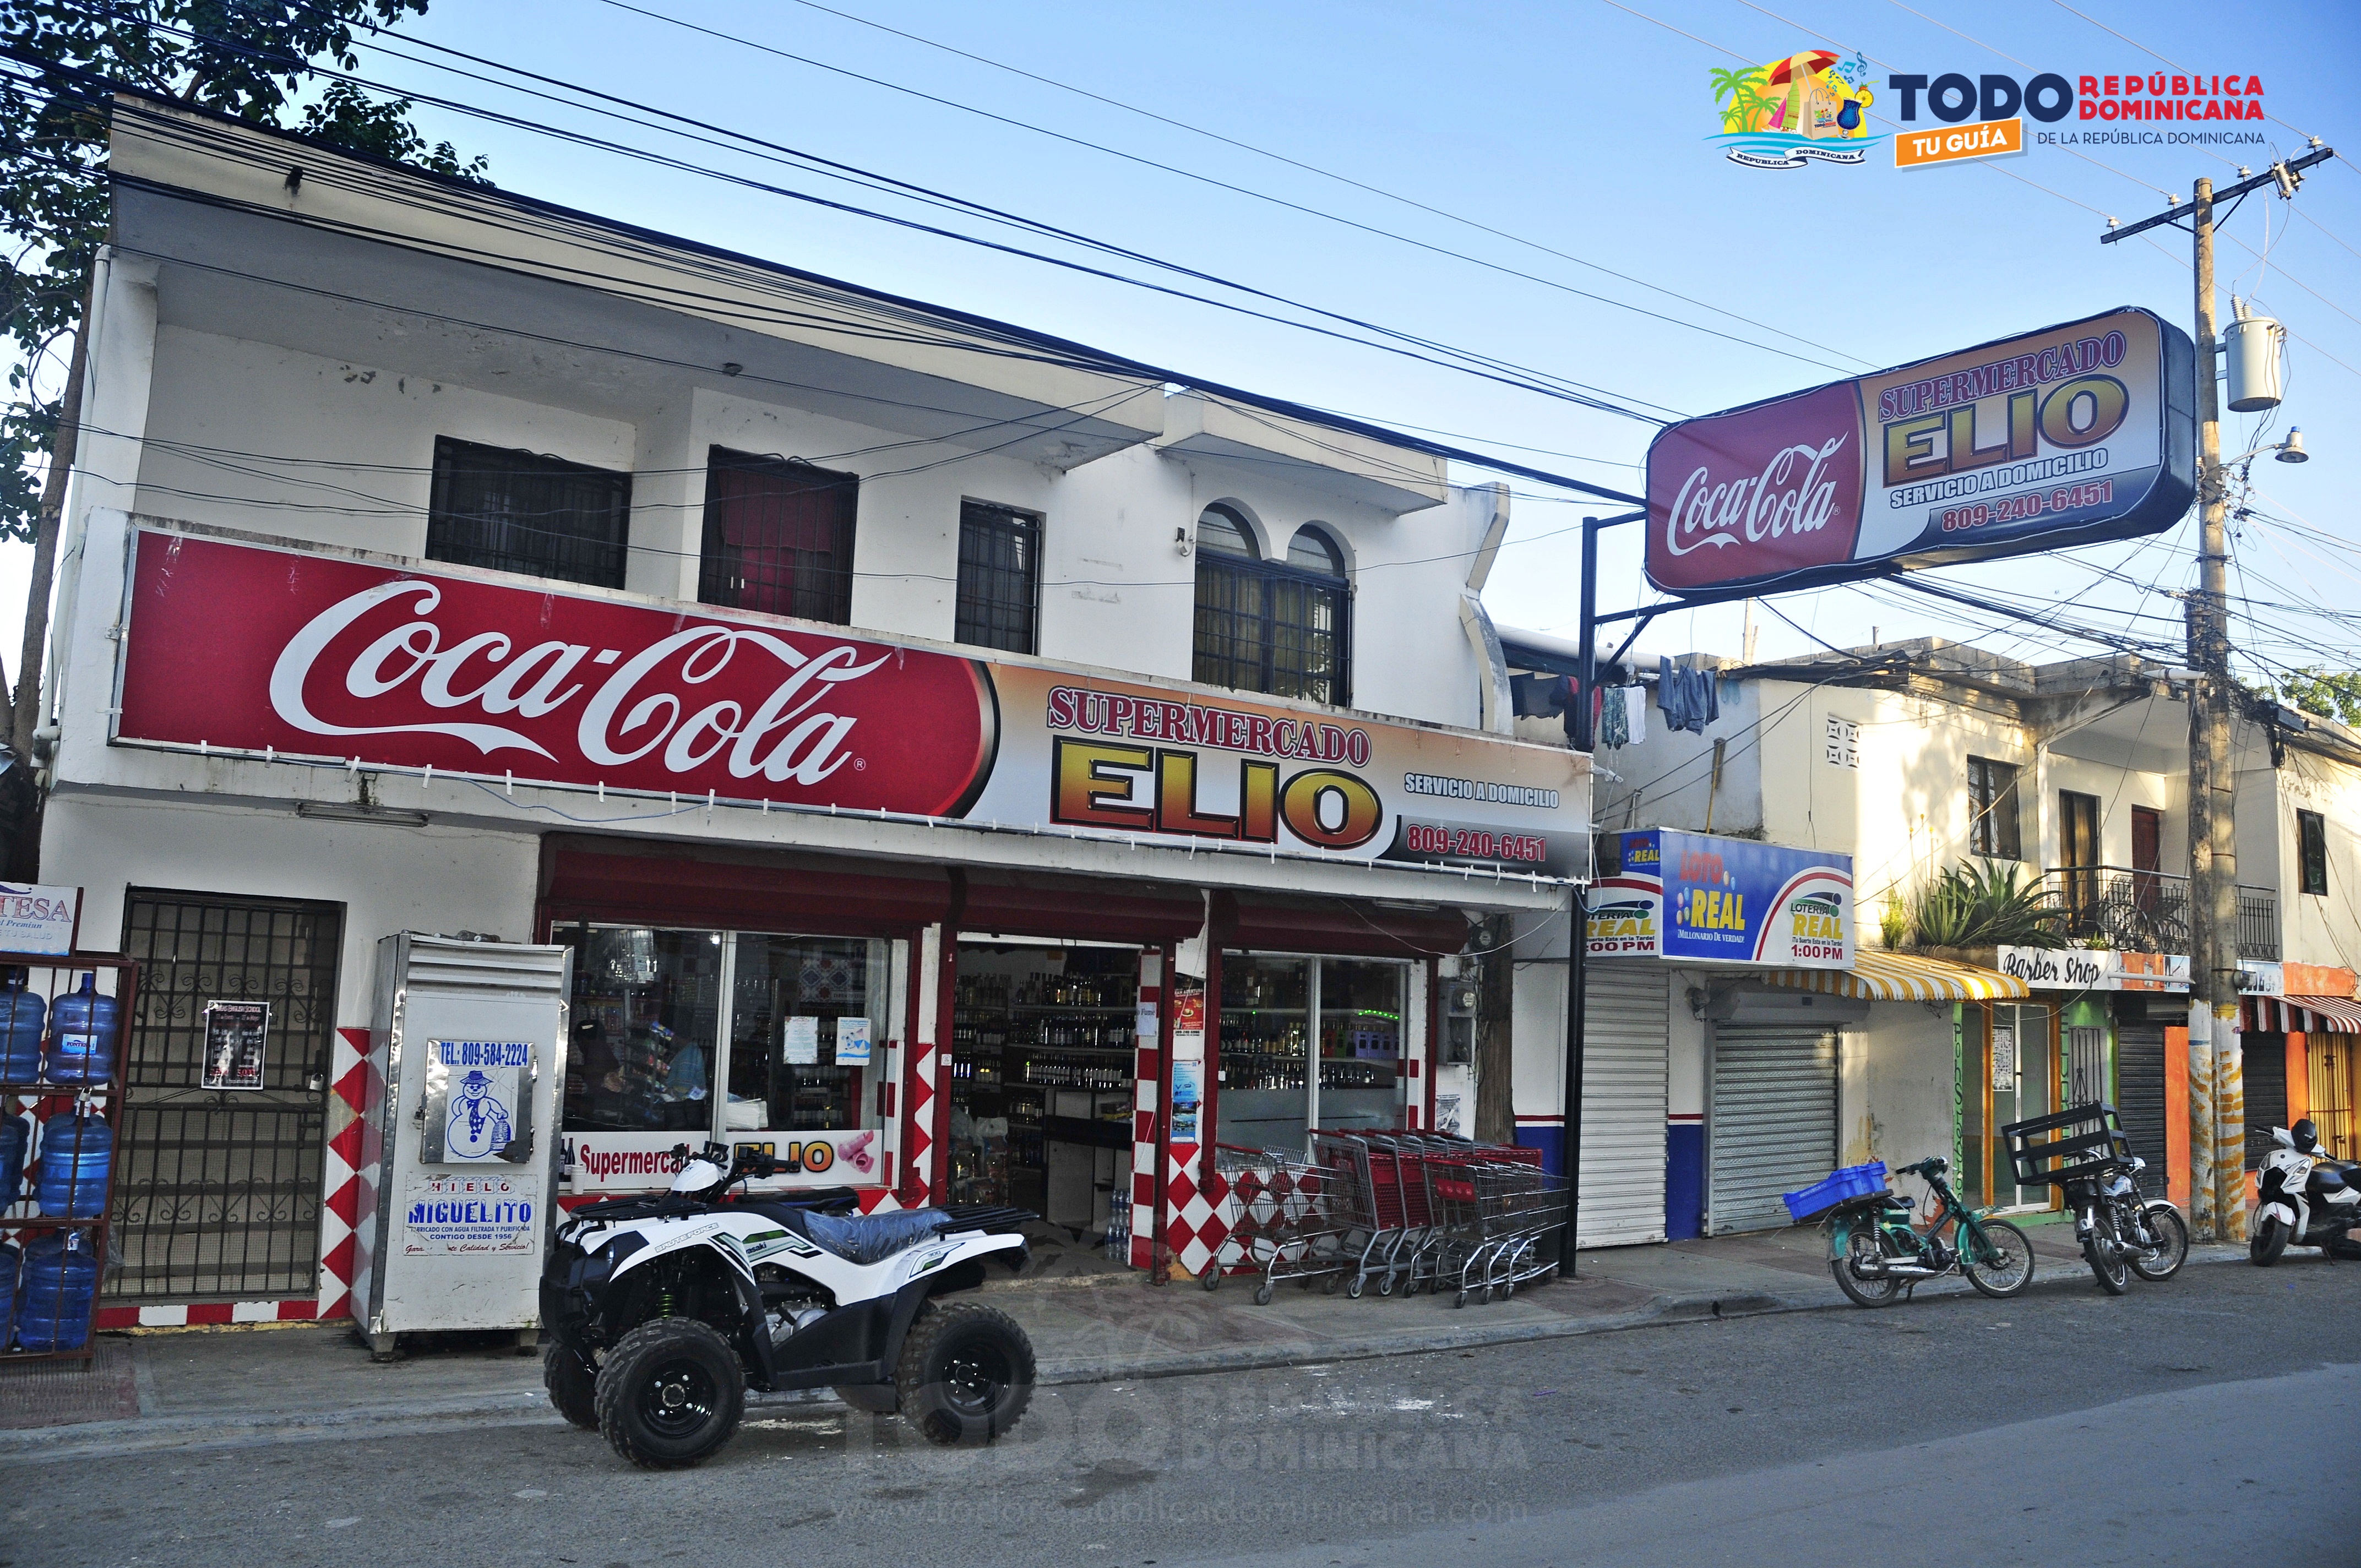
column 1756, row 494
column 242, row 649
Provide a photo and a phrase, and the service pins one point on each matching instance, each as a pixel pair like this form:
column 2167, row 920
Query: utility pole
column 2217, row 1102
column 2215, row 1091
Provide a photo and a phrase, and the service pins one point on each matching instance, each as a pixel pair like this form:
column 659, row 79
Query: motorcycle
column 1877, row 1255
column 2121, row 1234
column 2304, row 1198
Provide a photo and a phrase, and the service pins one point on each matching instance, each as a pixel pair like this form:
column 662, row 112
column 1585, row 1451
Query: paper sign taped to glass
column 852, row 1042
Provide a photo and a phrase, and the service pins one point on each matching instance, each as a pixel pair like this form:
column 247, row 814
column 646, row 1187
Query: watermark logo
column 1804, row 109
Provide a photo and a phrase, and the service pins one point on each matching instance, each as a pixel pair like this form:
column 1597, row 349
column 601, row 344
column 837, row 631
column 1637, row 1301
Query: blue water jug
column 81, row 1034
column 23, row 1014
column 55, row 1291
column 8, row 1256
column 69, row 1177
column 15, row 1142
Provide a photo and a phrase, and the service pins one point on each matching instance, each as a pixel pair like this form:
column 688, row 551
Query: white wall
column 387, row 878
column 1895, row 1085
column 2314, row 928
column 1116, row 591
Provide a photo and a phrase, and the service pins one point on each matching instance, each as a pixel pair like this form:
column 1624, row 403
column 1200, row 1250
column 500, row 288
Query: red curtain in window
column 779, row 528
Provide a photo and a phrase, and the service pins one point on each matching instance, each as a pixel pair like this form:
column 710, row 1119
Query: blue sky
column 1580, row 127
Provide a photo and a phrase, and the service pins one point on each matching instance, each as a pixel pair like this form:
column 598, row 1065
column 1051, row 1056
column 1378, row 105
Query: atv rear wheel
column 670, row 1393
column 573, row 1384
column 966, row 1373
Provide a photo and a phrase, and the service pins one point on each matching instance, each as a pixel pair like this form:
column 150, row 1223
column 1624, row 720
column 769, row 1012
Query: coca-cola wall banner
column 2074, row 433
column 243, row 648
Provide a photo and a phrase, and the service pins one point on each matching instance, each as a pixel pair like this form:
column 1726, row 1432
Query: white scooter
column 2305, row 1199
column 661, row 1312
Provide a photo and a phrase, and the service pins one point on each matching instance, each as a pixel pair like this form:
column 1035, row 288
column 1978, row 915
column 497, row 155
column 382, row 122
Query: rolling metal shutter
column 2263, row 1077
column 1625, row 1030
column 2140, row 1088
column 1771, row 1126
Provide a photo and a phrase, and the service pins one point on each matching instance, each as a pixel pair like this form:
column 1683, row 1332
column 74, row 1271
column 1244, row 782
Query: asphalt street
column 2172, row 1425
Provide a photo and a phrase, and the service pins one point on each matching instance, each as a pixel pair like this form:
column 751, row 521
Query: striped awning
column 2309, row 1014
column 1904, row 977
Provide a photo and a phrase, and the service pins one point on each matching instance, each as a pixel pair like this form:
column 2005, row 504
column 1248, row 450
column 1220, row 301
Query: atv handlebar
column 740, row 1163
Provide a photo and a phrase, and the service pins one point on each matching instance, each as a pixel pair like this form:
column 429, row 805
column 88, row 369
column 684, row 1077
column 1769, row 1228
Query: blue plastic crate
column 1852, row 1181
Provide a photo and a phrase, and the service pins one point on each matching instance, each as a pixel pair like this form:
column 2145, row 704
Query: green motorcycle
column 1877, row 1254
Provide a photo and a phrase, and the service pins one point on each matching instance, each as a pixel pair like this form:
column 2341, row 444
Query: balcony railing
column 2147, row 912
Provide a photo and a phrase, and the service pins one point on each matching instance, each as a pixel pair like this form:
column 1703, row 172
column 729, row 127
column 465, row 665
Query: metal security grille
column 2139, row 1099
column 2330, row 1060
column 524, row 511
column 2265, row 1081
column 218, row 1192
column 999, row 577
column 1626, row 1010
column 1267, row 629
column 2086, row 1065
column 778, row 537
column 1772, row 1124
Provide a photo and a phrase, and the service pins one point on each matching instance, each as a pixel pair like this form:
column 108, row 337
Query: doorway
column 1043, row 1072
column 218, row 1196
column 2014, row 1077
column 2077, row 852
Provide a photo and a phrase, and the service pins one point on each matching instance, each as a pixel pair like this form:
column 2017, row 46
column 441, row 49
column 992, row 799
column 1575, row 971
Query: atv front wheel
column 966, row 1373
column 670, row 1393
column 573, row 1384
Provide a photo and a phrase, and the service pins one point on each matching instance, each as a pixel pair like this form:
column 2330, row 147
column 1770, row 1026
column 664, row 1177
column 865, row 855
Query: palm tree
column 1744, row 89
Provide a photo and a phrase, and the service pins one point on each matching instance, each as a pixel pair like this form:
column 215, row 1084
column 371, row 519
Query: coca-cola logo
column 1756, row 494
column 246, row 649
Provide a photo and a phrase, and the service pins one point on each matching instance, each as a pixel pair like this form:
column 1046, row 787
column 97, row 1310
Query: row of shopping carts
column 1403, row 1210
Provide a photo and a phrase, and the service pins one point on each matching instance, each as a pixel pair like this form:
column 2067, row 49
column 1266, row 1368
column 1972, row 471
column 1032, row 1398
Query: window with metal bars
column 513, row 511
column 217, row 1192
column 1271, row 626
column 778, row 537
column 999, row 577
column 2312, row 850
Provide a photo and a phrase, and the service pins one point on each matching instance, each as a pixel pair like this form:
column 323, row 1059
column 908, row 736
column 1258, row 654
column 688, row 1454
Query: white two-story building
column 906, row 718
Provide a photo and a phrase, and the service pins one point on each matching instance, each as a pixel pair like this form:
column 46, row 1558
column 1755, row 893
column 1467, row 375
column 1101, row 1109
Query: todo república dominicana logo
column 1785, row 113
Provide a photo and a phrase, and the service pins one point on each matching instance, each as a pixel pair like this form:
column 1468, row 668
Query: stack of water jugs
column 46, row 1293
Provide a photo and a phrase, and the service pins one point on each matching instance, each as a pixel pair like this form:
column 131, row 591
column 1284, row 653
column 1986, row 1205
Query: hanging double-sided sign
column 2064, row 436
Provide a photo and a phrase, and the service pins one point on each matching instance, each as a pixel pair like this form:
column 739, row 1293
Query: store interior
column 1273, row 1006
column 1043, row 1037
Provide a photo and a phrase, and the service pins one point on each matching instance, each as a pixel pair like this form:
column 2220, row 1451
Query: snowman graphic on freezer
column 481, row 1127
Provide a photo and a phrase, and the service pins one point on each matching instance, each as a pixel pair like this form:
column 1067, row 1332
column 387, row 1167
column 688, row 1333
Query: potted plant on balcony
column 1967, row 911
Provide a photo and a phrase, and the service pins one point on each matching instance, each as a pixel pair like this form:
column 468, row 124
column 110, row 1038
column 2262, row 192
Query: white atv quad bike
column 662, row 1311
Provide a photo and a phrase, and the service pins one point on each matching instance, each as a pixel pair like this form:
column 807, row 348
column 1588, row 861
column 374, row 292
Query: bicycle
column 1877, row 1254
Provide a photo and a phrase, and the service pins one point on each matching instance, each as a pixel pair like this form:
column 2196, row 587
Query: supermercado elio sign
column 242, row 649
column 1694, row 899
column 2074, row 433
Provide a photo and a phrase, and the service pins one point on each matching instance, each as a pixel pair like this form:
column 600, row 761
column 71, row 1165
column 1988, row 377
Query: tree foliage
column 2331, row 694
column 253, row 59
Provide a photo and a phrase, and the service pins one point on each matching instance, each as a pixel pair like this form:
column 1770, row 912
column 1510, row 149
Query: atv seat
column 873, row 1238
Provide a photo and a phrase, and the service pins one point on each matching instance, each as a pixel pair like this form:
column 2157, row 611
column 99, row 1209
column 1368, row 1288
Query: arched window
column 1276, row 626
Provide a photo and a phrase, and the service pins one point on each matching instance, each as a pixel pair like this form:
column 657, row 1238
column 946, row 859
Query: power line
column 1406, row 344
column 1264, row 152
column 1221, row 184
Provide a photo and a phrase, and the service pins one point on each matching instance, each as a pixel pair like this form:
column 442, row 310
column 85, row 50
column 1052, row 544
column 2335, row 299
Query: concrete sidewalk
column 1091, row 1324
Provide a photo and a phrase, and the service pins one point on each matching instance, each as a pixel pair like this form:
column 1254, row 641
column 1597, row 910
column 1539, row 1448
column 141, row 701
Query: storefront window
column 664, row 1020
column 790, row 996
column 1272, row 1007
column 1360, row 1044
column 646, row 1007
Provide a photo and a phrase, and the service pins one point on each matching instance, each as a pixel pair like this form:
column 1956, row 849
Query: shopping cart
column 1378, row 1166
column 1287, row 1220
column 1518, row 1208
